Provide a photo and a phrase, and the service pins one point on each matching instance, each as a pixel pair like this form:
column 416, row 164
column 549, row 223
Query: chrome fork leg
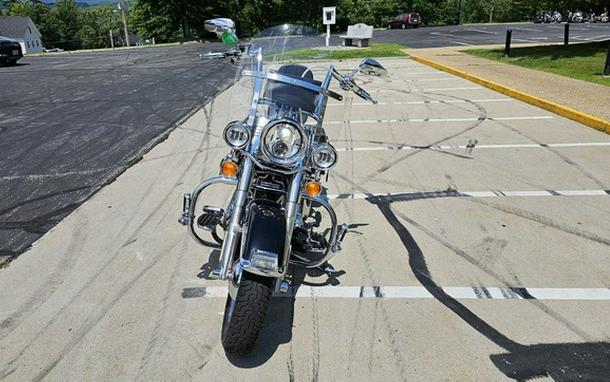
column 234, row 230
column 292, row 204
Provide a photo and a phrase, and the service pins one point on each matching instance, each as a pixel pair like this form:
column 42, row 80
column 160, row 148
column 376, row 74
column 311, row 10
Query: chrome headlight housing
column 236, row 135
column 283, row 141
column 324, row 156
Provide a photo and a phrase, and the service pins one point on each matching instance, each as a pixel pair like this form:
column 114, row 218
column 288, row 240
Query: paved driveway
column 480, row 253
column 69, row 123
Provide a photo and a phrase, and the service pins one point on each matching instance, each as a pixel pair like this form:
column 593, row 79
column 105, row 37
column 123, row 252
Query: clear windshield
column 275, row 42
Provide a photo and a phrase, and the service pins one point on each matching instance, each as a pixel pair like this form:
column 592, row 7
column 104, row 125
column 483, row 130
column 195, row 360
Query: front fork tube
column 234, row 230
column 292, row 205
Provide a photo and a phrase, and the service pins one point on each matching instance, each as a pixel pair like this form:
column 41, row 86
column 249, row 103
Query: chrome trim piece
column 269, row 168
column 258, row 87
column 233, row 232
column 275, row 76
column 291, row 205
column 321, row 107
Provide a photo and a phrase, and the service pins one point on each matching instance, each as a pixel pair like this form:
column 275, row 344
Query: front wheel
column 245, row 313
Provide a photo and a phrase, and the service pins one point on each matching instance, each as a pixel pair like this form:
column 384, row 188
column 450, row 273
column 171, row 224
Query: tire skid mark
column 542, row 306
column 548, row 222
column 290, row 365
column 559, row 154
column 159, row 330
column 399, row 159
column 370, row 275
column 53, row 281
column 315, row 339
column 134, row 234
column 93, row 320
column 464, row 255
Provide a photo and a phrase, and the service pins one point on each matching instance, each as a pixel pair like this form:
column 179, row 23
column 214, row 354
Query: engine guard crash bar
column 188, row 219
column 334, row 240
column 190, row 201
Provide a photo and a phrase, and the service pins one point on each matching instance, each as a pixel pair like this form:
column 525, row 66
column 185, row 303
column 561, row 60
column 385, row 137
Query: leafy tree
column 95, row 25
column 66, row 13
column 148, row 24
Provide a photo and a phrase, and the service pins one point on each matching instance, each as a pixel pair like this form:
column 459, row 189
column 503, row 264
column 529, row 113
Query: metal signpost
column 607, row 66
column 328, row 18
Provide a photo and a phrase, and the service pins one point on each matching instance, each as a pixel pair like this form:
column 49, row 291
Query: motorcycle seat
column 291, row 95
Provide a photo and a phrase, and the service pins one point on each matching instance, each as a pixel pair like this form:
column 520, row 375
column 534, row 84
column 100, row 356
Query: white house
column 23, row 30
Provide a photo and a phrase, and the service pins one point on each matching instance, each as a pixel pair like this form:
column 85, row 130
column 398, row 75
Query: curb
column 575, row 115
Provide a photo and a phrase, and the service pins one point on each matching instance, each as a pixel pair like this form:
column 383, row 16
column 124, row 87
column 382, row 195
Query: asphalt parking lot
column 480, row 253
column 70, row 123
column 487, row 34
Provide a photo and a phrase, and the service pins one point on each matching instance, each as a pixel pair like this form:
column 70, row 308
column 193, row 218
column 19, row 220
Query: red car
column 404, row 20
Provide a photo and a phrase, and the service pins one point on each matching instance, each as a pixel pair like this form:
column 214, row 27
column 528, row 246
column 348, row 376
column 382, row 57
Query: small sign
column 329, row 15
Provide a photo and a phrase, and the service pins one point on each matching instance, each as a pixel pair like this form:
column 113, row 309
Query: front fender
column 263, row 247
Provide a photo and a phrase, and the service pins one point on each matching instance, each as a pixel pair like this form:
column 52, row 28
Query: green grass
column 581, row 61
column 374, row 50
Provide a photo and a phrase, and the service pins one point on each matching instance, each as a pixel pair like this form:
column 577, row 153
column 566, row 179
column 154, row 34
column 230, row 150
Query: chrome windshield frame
column 279, row 77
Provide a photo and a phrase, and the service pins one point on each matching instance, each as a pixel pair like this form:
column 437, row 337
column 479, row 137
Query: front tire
column 245, row 313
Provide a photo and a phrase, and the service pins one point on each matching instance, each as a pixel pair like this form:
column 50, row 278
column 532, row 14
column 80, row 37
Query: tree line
column 65, row 25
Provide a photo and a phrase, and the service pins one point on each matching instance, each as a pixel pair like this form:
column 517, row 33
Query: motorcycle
column 603, row 18
column 577, row 17
column 278, row 218
column 556, row 17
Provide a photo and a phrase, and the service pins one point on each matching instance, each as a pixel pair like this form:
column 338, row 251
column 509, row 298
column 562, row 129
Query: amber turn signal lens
column 313, row 188
column 228, row 168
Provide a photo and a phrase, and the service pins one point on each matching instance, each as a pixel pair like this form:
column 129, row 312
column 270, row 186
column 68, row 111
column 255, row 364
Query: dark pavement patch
column 71, row 123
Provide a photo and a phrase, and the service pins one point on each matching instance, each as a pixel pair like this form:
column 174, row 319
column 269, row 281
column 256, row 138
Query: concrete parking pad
column 447, row 275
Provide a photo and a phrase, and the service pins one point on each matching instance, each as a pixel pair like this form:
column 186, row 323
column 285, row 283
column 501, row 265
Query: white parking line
column 449, row 101
column 354, row 122
column 482, row 31
column 442, row 34
column 419, row 292
column 600, row 37
column 469, row 194
column 459, row 43
column 427, row 90
column 462, row 147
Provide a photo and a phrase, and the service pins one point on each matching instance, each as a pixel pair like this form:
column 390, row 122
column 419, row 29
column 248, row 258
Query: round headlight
column 236, row 135
column 324, row 156
column 283, row 141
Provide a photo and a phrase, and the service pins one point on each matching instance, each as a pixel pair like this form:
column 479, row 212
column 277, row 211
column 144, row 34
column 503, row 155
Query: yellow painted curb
column 578, row 116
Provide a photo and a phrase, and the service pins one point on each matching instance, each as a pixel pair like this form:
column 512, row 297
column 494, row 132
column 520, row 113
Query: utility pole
column 123, row 9
column 111, row 39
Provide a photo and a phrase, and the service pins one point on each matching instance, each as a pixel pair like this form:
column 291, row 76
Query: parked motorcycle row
column 571, row 17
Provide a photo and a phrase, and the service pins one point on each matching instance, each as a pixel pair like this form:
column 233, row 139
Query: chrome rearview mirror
column 224, row 29
column 370, row 67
